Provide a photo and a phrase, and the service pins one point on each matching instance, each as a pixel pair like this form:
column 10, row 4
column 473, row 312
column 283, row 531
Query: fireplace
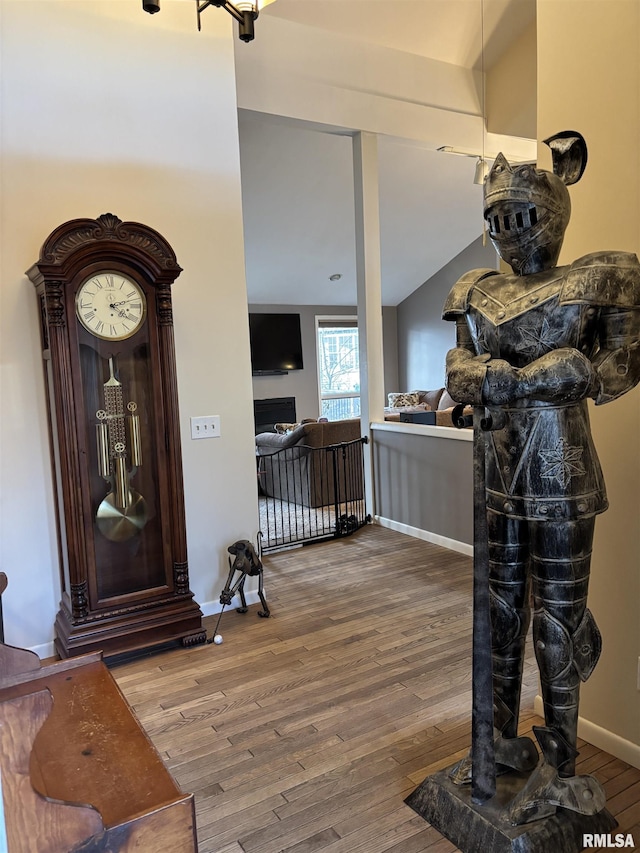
column 274, row 410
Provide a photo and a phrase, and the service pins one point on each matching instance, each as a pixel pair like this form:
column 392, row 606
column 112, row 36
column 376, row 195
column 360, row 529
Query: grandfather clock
column 104, row 290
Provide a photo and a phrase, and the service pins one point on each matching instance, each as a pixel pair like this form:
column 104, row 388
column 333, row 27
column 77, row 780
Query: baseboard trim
column 427, row 536
column 44, row 650
column 211, row 608
column 608, row 741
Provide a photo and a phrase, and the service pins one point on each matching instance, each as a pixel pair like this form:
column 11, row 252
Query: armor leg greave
column 510, row 611
column 567, row 646
column 566, row 639
column 510, row 617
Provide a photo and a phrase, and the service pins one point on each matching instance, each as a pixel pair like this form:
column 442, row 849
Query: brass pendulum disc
column 119, row 524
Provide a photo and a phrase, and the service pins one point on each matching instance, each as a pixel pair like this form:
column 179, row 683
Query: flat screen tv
column 276, row 343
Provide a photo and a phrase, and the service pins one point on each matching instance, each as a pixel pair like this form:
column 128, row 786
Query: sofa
column 437, row 401
column 296, row 466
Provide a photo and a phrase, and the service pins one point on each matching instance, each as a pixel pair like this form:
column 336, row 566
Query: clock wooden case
column 104, row 289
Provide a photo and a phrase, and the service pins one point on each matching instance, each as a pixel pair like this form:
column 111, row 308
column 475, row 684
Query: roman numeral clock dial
column 110, row 306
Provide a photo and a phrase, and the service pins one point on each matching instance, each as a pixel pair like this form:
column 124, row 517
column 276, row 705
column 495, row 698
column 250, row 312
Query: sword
column 483, row 764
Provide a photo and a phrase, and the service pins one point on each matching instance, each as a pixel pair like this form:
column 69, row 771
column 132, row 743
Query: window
column 338, row 367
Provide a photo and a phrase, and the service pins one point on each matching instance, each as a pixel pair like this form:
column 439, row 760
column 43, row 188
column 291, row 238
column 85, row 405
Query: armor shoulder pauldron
column 457, row 301
column 603, row 278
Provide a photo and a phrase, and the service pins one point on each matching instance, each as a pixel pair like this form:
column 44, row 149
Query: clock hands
column 121, row 312
column 127, row 316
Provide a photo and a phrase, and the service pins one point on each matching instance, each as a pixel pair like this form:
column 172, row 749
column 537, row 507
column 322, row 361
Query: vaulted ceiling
column 297, row 182
column 446, row 30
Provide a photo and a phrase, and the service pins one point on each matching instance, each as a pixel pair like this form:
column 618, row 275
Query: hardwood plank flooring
column 305, row 732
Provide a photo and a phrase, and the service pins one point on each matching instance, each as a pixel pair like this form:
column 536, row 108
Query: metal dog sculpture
column 247, row 562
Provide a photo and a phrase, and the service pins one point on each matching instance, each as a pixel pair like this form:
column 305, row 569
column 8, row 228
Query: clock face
column 110, row 306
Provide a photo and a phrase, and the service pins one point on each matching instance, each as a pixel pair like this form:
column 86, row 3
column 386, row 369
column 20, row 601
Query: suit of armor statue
column 536, row 344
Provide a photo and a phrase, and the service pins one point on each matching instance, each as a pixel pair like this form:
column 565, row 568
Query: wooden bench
column 78, row 771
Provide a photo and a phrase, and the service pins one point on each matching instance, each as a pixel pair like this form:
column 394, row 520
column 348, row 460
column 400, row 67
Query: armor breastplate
column 520, row 325
column 542, row 465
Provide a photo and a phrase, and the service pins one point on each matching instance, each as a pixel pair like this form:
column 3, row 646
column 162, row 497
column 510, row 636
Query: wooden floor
column 306, row 731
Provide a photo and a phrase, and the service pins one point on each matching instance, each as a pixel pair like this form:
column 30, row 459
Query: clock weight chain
column 123, row 512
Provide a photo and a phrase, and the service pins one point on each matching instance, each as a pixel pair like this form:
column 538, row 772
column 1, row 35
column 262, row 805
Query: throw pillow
column 446, row 401
column 397, row 400
column 284, row 429
column 432, row 398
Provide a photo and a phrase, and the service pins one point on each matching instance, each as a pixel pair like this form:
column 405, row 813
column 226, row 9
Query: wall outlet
column 206, row 426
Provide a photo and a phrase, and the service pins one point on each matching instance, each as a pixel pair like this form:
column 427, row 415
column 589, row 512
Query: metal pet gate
column 311, row 493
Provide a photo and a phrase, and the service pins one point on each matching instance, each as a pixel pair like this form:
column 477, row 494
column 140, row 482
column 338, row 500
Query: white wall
column 349, row 83
column 511, row 88
column 589, row 80
column 106, row 109
column 424, row 338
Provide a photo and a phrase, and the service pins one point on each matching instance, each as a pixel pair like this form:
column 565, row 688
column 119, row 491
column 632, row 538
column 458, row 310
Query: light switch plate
column 205, row 426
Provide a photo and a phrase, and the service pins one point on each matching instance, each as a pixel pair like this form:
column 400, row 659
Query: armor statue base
column 486, row 828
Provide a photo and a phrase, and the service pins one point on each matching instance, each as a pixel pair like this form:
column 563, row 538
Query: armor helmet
column 527, row 209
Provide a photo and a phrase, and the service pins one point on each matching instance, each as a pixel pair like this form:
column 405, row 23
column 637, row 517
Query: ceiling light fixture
column 482, row 162
column 244, row 11
column 482, row 170
column 488, row 158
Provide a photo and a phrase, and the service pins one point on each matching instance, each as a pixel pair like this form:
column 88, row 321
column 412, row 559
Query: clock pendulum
column 123, row 512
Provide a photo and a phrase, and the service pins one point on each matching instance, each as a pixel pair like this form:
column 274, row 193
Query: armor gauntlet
column 563, row 375
column 478, row 380
column 466, row 375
